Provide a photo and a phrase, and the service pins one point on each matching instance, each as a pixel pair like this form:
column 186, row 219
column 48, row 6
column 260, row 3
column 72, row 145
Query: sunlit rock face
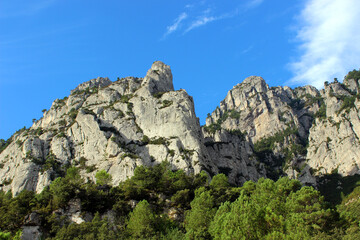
column 257, row 131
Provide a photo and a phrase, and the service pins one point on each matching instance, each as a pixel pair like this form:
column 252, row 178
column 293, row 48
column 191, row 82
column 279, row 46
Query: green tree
column 5, row 236
column 219, row 181
column 103, row 178
column 198, row 219
column 142, row 221
column 271, row 210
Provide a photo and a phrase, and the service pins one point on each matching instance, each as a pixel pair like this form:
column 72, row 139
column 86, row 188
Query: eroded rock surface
column 257, row 131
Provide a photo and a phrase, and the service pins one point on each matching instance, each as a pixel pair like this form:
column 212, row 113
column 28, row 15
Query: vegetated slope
column 158, row 203
column 301, row 133
column 106, row 132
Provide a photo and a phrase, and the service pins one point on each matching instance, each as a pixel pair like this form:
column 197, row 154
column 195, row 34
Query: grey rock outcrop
column 114, row 126
column 274, row 124
column 302, row 133
column 257, row 131
column 334, row 145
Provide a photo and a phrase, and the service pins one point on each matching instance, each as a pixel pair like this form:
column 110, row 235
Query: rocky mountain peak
column 256, row 132
column 158, row 78
column 254, row 82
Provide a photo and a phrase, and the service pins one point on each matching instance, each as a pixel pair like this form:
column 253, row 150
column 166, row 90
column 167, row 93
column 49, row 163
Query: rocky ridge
column 114, row 126
column 258, row 131
column 302, row 133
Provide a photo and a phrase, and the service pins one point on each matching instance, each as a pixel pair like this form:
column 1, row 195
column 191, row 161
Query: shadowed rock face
column 256, row 132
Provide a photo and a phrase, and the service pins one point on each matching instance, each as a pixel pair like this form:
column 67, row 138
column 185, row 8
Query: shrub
column 103, row 178
column 158, row 94
column 354, row 74
column 166, row 103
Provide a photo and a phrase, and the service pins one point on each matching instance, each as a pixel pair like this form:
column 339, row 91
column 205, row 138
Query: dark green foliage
column 182, row 198
column 4, row 144
column 145, row 139
column 275, row 164
column 347, row 104
column 267, row 144
column 158, row 94
column 88, row 111
column 343, row 186
column 311, row 100
column 52, row 163
column 263, row 210
column 297, row 104
column 166, row 103
column 103, row 178
column 125, row 98
column 130, row 106
column 272, row 210
column 14, row 210
column 198, row 219
column 62, row 122
column 60, row 102
column 212, row 128
column 238, row 132
column 321, row 113
column 73, row 113
column 293, row 151
column 158, row 141
column 142, row 222
column 219, row 181
column 234, row 114
column 172, row 152
column 130, row 155
column 354, row 74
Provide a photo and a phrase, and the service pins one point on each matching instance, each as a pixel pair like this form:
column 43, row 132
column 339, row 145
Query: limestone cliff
column 114, row 126
column 301, row 133
column 257, row 131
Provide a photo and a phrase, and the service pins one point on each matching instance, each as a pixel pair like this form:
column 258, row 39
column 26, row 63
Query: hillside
column 258, row 131
column 109, row 146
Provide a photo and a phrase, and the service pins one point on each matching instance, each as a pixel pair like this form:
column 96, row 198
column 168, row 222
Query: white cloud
column 329, row 35
column 176, row 24
column 197, row 15
column 200, row 22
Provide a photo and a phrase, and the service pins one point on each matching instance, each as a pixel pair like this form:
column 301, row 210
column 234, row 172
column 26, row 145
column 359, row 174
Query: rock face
column 258, row 131
column 334, row 145
column 114, row 126
column 301, row 133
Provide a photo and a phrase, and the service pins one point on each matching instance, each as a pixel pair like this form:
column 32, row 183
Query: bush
column 142, row 222
column 103, row 178
column 354, row 74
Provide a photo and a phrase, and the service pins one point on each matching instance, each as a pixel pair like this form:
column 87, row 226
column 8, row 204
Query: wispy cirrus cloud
column 172, row 28
column 200, row 14
column 200, row 22
column 329, row 36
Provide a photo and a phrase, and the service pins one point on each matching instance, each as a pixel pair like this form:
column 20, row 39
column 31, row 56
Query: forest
column 159, row 203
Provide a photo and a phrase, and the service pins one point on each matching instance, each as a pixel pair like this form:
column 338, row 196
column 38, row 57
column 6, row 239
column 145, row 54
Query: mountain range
column 257, row 131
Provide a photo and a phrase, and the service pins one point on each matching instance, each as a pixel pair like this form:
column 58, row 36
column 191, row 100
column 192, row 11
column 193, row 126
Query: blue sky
column 48, row 47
